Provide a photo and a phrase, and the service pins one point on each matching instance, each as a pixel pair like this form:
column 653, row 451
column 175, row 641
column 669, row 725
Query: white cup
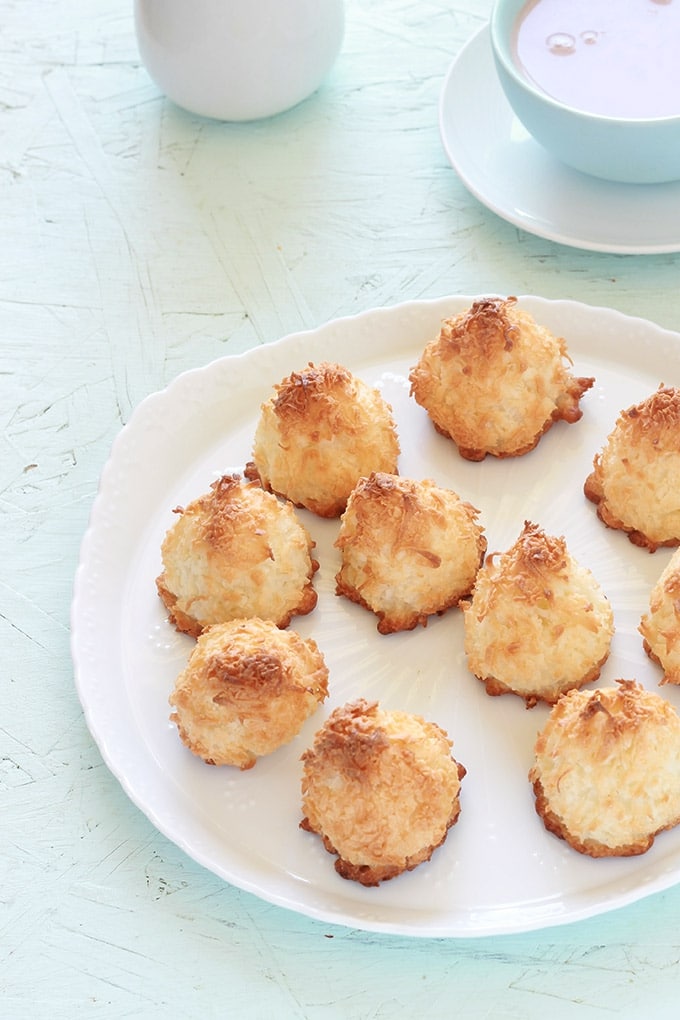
column 238, row 59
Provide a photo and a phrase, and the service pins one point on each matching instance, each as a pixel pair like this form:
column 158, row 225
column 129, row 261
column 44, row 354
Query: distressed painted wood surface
column 138, row 241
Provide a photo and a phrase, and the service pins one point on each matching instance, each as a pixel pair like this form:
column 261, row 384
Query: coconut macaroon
column 322, row 429
column 634, row 481
column 606, row 773
column 236, row 551
column 409, row 549
column 381, row 788
column 247, row 689
column 538, row 623
column 660, row 625
column 494, row 380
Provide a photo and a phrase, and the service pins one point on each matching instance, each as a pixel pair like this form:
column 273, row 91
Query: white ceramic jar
column 238, row 59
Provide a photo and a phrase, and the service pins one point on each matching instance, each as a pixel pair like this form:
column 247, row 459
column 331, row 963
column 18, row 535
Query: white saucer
column 511, row 174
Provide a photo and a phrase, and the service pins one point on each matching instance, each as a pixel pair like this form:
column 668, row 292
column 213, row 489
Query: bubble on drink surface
column 562, row 44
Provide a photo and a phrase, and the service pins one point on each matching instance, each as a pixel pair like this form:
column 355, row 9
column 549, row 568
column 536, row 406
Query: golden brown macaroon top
column 657, row 418
column 228, row 522
column 404, row 515
column 317, row 397
column 350, row 741
column 226, row 506
column 531, row 564
column 608, row 715
column 234, row 675
column 237, row 677
column 484, row 329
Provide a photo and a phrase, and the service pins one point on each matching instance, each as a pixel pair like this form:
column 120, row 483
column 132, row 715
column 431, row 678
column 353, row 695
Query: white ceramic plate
column 510, row 173
column 499, row 870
